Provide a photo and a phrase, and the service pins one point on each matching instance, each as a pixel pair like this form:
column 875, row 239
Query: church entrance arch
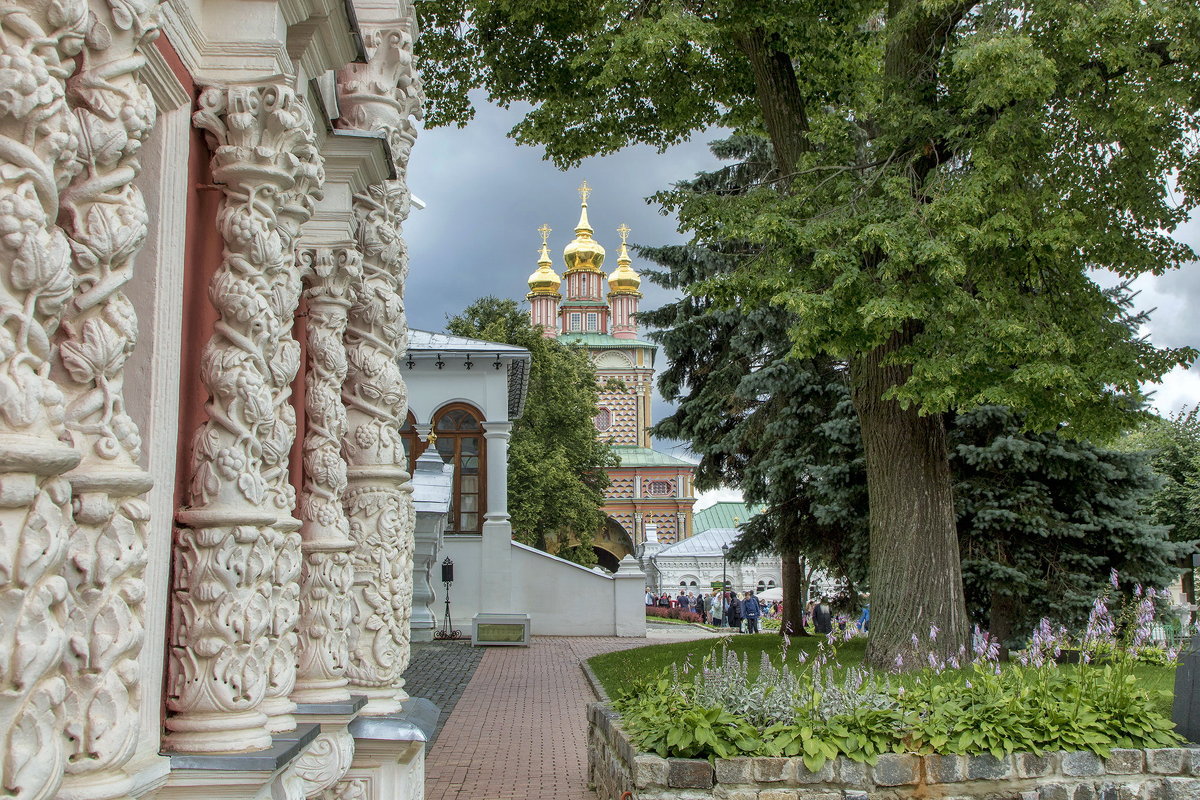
column 611, row 543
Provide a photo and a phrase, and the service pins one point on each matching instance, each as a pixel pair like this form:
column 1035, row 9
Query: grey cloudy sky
column 486, row 197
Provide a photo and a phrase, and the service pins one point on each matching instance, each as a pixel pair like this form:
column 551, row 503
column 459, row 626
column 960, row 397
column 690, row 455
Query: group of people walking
column 727, row 609
column 722, row 609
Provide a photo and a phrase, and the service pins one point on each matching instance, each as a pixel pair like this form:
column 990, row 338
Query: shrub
column 672, row 613
column 816, row 708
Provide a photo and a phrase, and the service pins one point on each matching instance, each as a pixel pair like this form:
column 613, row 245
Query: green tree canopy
column 948, row 174
column 556, row 466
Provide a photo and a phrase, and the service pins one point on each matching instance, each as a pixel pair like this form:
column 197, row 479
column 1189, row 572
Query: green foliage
column 1042, row 520
column 970, row 711
column 1173, row 443
column 556, row 467
column 963, row 166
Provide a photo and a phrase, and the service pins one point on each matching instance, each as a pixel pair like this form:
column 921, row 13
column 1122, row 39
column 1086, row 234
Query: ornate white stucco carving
column 326, row 575
column 325, row 762
column 381, row 95
column 105, row 218
column 349, row 789
column 237, row 552
column 39, row 139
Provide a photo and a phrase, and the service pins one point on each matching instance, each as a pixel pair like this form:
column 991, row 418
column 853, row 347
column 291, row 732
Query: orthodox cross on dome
column 584, row 191
column 545, row 232
column 624, row 231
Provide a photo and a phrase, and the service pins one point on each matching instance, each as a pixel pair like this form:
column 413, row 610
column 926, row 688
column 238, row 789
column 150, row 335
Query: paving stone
column 945, row 769
column 1177, row 789
column 1166, row 760
column 1033, row 766
column 801, row 774
column 987, row 767
column 771, row 770
column 1084, row 791
column 440, row 671
column 1193, row 760
column 519, row 729
column 851, row 772
column 852, row 794
column 689, row 773
column 650, row 771
column 779, row 794
column 1080, row 764
column 1054, row 791
column 1125, row 761
column 735, row 770
column 894, row 769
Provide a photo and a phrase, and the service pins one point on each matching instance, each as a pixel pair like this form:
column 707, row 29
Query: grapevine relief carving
column 381, row 95
column 237, row 551
column 326, row 574
column 105, row 218
column 39, row 140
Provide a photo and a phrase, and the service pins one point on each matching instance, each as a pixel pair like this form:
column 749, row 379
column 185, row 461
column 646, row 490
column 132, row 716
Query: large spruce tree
column 556, row 466
column 949, row 174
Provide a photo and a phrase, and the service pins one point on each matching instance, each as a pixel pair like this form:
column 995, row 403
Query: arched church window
column 603, row 419
column 413, row 446
column 683, row 583
column 770, row 584
column 693, row 583
column 576, row 320
column 460, row 442
column 762, row 585
column 593, row 321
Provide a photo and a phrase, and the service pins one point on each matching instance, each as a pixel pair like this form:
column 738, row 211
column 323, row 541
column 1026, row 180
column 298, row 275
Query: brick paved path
column 440, row 671
column 519, row 731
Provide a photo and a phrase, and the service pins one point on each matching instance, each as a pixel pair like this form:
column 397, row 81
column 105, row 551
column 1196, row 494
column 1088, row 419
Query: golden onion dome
column 584, row 254
column 544, row 280
column 623, row 280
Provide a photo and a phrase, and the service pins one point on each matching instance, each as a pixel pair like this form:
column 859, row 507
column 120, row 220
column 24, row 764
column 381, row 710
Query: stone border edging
column 597, row 686
column 615, row 767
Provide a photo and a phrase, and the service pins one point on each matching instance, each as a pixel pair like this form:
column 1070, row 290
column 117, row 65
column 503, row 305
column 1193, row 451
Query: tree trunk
column 779, row 98
column 1000, row 619
column 915, row 570
column 793, row 586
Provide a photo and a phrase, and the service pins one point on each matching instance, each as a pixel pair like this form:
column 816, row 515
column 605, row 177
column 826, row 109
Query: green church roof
column 723, row 515
column 602, row 340
column 645, row 457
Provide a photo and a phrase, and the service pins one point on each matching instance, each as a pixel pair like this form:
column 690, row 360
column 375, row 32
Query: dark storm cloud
column 486, row 197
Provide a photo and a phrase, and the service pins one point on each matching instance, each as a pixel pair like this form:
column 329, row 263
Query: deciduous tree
column 949, row 174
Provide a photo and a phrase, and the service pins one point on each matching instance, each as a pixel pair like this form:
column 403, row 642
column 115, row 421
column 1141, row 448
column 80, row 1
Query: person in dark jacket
column 751, row 610
column 733, row 614
column 823, row 616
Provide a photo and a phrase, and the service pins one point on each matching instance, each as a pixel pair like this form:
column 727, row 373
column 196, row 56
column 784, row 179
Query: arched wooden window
column 460, row 442
column 413, row 446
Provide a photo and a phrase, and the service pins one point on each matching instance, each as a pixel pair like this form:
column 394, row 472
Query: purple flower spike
column 934, row 630
column 1112, row 578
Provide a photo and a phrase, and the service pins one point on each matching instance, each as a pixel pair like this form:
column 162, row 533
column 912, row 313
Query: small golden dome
column 584, row 254
column 545, row 280
column 623, row 280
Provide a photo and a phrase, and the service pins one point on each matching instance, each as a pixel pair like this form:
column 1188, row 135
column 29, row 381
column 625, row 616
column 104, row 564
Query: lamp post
column 724, row 555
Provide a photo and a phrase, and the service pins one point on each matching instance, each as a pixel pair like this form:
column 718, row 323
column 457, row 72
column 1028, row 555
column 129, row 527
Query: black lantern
column 447, row 631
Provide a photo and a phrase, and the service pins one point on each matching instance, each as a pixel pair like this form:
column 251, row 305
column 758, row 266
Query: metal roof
column 725, row 514
column 707, row 543
column 645, row 457
column 421, row 341
column 602, row 340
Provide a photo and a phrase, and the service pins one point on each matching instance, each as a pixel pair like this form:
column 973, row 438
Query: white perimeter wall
column 561, row 597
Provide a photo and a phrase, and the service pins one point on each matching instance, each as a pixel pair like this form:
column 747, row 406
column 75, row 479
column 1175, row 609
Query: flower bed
column 672, row 613
column 615, row 766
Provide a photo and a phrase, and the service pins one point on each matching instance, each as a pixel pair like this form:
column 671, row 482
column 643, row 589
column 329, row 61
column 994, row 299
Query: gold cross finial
column 545, row 232
column 584, row 191
column 624, row 231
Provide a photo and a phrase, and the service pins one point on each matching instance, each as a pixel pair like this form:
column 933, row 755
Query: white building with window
column 464, row 395
column 696, row 563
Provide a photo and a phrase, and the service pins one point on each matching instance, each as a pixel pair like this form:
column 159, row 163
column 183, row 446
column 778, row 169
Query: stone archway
column 611, row 543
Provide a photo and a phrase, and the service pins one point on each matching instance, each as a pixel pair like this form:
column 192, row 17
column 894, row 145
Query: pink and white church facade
column 206, row 520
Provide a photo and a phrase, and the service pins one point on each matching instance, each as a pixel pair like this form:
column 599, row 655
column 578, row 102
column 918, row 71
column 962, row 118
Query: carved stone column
column 326, row 574
column 235, row 600
column 105, row 218
column 39, row 138
column 381, row 95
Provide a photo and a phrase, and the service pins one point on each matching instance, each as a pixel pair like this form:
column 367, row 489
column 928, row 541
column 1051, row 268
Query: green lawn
column 625, row 668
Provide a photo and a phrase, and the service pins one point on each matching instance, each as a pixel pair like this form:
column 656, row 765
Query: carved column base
column 108, row 785
column 380, row 701
column 382, row 770
column 221, row 732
